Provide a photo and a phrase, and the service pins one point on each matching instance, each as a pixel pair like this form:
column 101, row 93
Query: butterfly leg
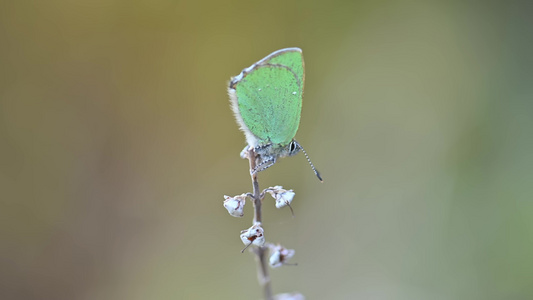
column 262, row 147
column 264, row 164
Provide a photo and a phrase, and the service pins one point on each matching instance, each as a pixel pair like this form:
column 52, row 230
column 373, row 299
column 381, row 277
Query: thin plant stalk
column 260, row 252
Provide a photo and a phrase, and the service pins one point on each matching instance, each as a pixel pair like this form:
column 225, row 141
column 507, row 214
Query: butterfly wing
column 267, row 97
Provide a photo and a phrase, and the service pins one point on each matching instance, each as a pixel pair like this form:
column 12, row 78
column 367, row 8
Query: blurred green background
column 117, row 145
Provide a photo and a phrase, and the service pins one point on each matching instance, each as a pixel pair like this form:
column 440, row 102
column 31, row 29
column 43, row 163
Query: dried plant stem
column 260, row 252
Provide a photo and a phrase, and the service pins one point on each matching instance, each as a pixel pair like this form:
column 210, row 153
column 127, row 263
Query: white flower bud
column 280, row 256
column 253, row 235
column 235, row 205
column 244, row 152
column 283, row 197
column 289, row 296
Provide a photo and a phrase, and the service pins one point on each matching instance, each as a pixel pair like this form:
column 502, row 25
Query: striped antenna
column 310, row 163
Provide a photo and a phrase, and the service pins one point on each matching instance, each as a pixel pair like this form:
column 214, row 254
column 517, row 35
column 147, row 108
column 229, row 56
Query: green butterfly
column 266, row 99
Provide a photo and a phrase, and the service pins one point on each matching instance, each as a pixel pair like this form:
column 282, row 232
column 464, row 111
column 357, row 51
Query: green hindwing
column 268, row 97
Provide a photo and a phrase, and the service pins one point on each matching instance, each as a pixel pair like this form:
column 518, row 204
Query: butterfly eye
column 292, row 147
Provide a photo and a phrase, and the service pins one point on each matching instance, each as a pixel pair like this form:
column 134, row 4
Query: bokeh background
column 117, row 145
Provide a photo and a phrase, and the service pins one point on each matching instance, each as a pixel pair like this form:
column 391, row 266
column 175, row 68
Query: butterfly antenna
column 311, row 164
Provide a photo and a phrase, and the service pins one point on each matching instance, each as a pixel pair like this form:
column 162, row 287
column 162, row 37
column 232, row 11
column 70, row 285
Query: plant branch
column 260, row 252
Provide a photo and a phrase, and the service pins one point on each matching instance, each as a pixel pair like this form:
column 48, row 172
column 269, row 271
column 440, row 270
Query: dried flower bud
column 244, row 152
column 235, row 205
column 289, row 296
column 253, row 235
column 283, row 197
column 280, row 256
